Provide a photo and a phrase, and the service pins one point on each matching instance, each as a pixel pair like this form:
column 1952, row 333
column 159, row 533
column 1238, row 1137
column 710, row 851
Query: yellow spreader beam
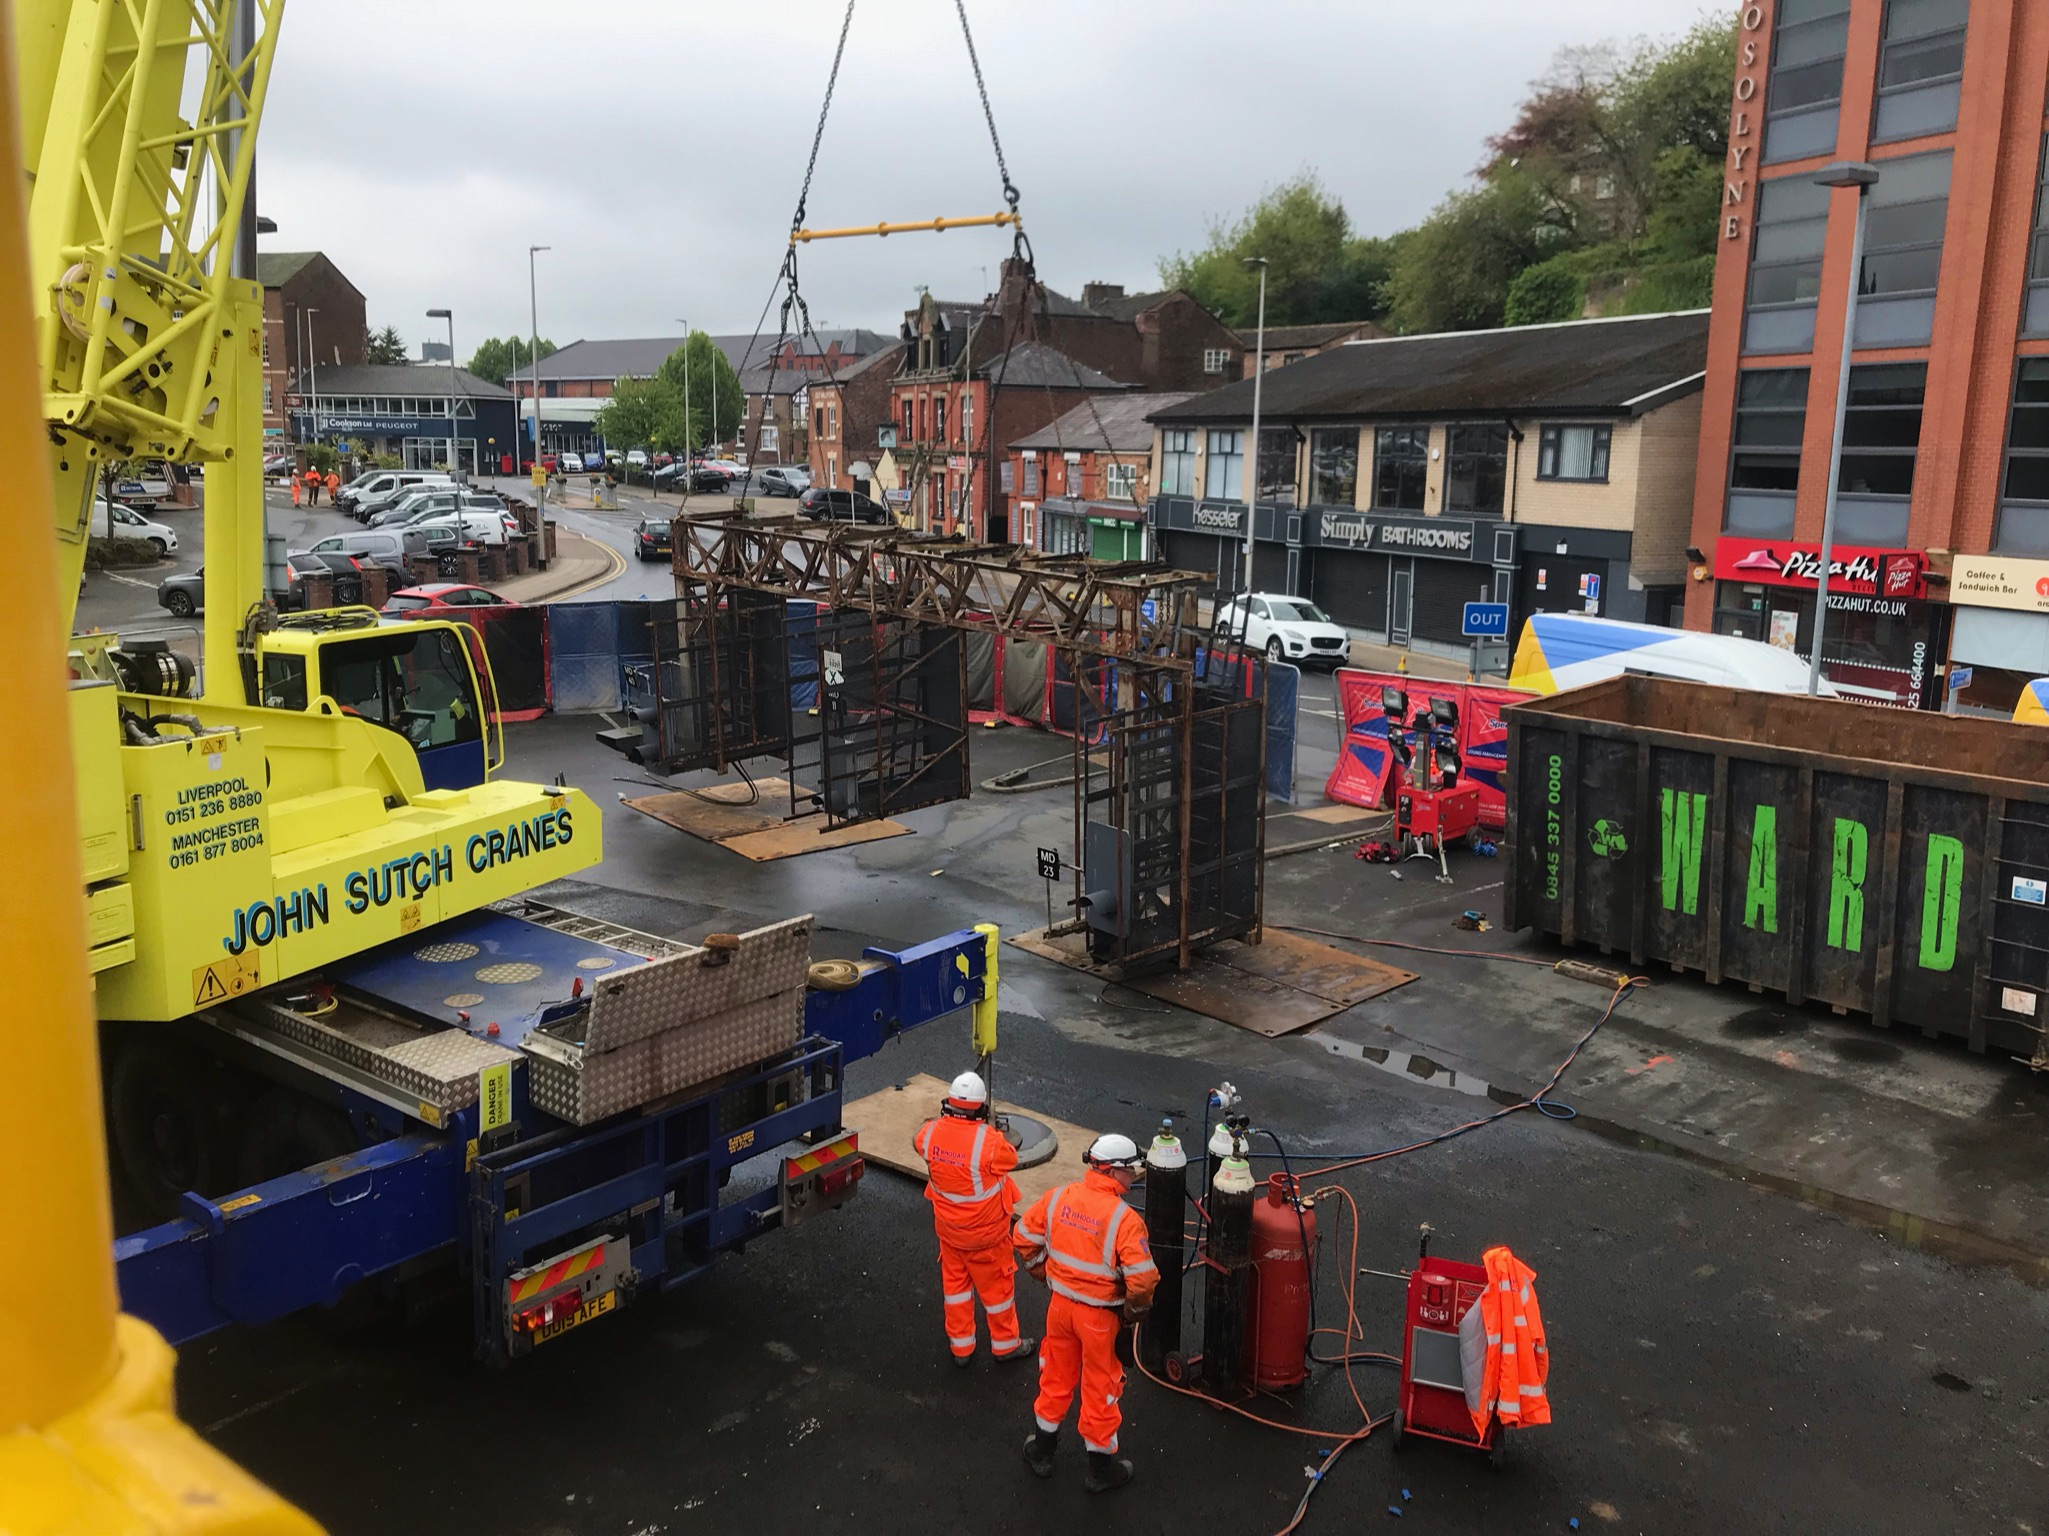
column 922, row 226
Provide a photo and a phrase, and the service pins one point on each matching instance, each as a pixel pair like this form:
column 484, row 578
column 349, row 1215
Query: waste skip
column 1891, row 863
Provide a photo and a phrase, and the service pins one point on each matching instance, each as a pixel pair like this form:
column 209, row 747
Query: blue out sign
column 1486, row 621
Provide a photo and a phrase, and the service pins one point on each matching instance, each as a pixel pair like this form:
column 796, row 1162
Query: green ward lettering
column 1761, row 891
column 1683, row 814
column 1942, row 901
column 1846, row 885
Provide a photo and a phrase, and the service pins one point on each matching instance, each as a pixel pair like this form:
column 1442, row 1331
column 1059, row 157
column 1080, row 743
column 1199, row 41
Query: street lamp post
column 1862, row 176
column 534, row 341
column 312, row 371
column 689, row 431
column 454, row 458
column 1258, row 381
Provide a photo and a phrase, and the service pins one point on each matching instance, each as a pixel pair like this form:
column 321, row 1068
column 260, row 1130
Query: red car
column 438, row 599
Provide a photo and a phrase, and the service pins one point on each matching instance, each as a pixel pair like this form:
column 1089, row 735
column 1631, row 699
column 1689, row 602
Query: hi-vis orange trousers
column 1080, row 1349
column 964, row 1274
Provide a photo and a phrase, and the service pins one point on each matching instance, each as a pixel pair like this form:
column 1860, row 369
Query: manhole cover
column 462, row 1000
column 445, row 954
column 1034, row 1139
column 509, row 972
column 595, row 963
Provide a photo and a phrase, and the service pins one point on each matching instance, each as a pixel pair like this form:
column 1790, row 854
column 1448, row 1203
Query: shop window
column 1809, row 38
column 1225, row 478
column 1785, row 266
column 1764, row 463
column 1177, row 463
column 939, row 420
column 1903, row 251
column 1573, row 453
column 1334, row 467
column 1920, row 68
column 1401, row 467
column 1277, row 465
column 1476, row 468
column 2024, row 502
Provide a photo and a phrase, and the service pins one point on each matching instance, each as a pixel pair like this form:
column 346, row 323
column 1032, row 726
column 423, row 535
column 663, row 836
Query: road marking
column 130, row 581
column 618, row 569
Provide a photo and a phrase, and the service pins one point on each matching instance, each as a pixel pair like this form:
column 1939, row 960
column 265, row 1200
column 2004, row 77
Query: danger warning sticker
column 228, row 977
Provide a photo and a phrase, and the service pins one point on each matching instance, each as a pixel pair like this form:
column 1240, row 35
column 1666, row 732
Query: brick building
column 303, row 289
column 1943, row 493
column 1287, row 344
column 1080, row 485
column 851, row 409
column 1549, row 467
column 1033, row 352
column 577, row 380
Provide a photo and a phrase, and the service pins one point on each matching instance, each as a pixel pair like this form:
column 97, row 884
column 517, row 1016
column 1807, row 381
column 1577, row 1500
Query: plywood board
column 887, row 1121
column 757, row 831
column 1337, row 815
column 1272, row 988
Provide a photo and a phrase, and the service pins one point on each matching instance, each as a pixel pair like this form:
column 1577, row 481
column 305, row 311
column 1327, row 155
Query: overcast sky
column 658, row 145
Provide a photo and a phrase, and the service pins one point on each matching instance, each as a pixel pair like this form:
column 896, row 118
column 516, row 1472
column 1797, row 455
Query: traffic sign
column 1049, row 863
column 1485, row 621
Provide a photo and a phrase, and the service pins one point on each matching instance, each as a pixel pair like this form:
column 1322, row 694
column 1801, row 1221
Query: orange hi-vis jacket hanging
column 968, row 1180
column 1092, row 1244
column 1518, row 1361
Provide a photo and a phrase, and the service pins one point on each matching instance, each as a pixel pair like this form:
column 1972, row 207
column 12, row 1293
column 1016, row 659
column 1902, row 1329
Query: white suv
column 1286, row 628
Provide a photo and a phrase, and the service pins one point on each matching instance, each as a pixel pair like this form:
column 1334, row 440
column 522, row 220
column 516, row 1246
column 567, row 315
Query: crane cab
column 424, row 680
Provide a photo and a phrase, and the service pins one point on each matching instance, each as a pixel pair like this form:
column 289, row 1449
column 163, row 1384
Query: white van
column 120, row 522
column 478, row 526
column 381, row 483
column 1567, row 650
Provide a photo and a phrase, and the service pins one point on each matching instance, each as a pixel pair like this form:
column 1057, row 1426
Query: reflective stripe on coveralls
column 1518, row 1360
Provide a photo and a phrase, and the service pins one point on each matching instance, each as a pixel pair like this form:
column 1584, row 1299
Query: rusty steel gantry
column 1168, row 722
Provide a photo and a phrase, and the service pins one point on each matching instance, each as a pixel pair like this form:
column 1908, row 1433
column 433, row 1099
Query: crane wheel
column 168, row 1126
column 286, row 1132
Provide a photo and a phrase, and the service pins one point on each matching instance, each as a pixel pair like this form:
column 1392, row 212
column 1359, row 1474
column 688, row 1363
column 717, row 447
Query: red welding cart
column 1433, row 1392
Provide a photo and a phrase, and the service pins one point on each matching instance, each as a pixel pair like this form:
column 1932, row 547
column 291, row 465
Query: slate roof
column 1033, row 365
column 1286, row 338
column 404, row 379
column 1615, row 367
column 1116, row 424
column 637, row 357
column 1129, row 306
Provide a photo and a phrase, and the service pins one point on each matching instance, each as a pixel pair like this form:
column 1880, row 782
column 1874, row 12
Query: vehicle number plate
column 597, row 1306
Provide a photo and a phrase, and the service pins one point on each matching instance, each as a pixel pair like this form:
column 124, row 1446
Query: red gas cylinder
column 1283, row 1238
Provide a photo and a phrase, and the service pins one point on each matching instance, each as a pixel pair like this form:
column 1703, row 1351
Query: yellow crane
column 316, row 783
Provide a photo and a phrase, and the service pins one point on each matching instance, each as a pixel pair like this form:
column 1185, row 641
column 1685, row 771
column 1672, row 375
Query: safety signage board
column 494, row 1097
column 1486, row 621
column 229, row 976
column 1049, row 863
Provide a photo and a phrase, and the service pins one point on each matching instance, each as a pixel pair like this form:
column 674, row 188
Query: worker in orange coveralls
column 1090, row 1249
column 968, row 1181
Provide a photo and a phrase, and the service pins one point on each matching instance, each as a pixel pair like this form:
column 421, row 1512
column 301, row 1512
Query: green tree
column 1550, row 290
column 1452, row 272
column 641, row 413
column 498, row 358
column 714, row 390
column 1317, row 270
column 385, row 346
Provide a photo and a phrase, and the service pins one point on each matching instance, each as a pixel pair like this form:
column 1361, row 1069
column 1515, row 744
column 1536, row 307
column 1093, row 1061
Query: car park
column 636, row 458
column 117, row 521
column 358, row 496
column 651, row 538
column 1286, row 628
column 841, row 506
column 785, row 480
column 183, row 596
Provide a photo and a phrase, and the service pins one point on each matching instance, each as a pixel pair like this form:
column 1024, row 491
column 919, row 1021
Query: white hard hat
column 1113, row 1151
column 969, row 1088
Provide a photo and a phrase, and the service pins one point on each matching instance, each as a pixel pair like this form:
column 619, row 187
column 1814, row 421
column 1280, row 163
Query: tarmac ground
column 1727, row 1357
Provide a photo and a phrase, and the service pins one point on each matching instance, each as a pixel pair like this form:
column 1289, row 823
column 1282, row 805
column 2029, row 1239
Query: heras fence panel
column 1894, row 864
column 583, row 657
column 516, row 641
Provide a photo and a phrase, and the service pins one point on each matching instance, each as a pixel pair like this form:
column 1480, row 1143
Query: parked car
column 636, row 458
column 651, row 538
column 359, row 498
column 117, row 521
column 385, row 546
column 470, row 525
column 785, row 480
column 843, row 506
column 431, row 500
column 1286, row 628
column 277, row 466
column 145, row 487
column 183, row 595
column 435, row 598
column 593, row 462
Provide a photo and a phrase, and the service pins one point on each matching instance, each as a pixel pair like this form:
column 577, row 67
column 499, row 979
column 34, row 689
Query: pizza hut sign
column 1893, row 573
